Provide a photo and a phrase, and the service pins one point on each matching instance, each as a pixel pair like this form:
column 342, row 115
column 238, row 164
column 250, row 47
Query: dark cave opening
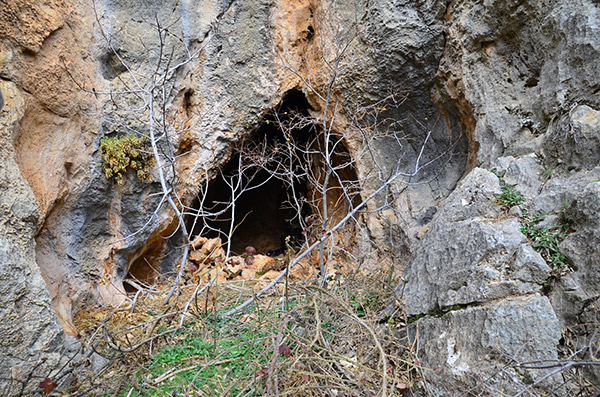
column 272, row 204
column 262, row 215
column 282, row 166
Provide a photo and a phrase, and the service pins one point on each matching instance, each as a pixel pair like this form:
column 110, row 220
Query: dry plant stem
column 199, row 289
column 271, row 369
column 369, row 329
column 167, row 192
column 172, row 372
column 559, row 365
column 287, row 272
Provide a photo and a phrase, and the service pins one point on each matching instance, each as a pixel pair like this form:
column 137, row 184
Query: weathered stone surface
column 573, row 139
column 406, row 42
column 30, row 23
column 529, row 266
column 468, row 255
column 94, row 233
column 29, row 333
column 582, row 249
column 516, row 66
column 469, row 349
column 474, row 261
column 524, row 172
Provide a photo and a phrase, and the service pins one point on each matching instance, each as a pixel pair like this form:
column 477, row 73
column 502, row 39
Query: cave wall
column 93, row 230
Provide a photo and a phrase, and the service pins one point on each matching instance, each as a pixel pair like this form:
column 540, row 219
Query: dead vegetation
column 300, row 339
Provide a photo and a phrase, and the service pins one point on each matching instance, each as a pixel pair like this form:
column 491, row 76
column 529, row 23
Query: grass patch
column 225, row 366
column 509, row 196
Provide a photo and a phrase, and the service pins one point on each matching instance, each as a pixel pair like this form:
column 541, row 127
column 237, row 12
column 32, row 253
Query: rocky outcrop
column 474, row 262
column 471, row 350
column 521, row 76
column 482, row 257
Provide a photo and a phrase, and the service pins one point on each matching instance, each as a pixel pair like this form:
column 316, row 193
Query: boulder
column 470, row 254
column 472, row 350
column 476, row 266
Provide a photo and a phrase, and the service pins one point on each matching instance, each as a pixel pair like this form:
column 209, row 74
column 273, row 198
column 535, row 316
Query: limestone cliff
column 510, row 85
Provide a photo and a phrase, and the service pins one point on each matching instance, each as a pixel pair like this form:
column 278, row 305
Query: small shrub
column 126, row 151
column 509, row 196
column 545, row 240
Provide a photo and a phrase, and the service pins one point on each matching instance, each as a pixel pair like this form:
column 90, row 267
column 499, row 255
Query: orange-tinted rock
column 210, row 251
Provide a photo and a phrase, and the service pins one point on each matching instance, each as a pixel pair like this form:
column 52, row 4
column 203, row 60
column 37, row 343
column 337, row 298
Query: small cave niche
column 273, row 205
column 143, row 268
column 112, row 66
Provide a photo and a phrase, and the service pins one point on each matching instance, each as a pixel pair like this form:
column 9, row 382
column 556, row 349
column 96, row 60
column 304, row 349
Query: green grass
column 225, row 363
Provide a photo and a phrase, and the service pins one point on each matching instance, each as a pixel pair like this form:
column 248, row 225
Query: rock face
column 30, row 331
column 518, row 67
column 483, row 257
column 475, row 262
column 509, row 85
column 518, row 73
column 468, row 349
column 94, row 233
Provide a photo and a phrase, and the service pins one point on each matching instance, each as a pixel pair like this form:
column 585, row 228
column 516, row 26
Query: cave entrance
column 278, row 167
column 262, row 215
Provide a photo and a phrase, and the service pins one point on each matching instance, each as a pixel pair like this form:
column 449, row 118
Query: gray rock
column 551, row 221
column 574, row 139
column 463, row 264
column 529, row 266
column 581, row 246
column 514, row 66
column 405, row 41
column 568, row 300
column 492, row 81
column 524, row 173
column 515, row 211
column 559, row 192
column 475, row 349
column 467, row 255
column 474, row 197
column 574, row 198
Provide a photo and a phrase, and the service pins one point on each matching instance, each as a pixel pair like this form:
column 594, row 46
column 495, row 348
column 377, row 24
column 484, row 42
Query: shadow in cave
column 263, row 214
